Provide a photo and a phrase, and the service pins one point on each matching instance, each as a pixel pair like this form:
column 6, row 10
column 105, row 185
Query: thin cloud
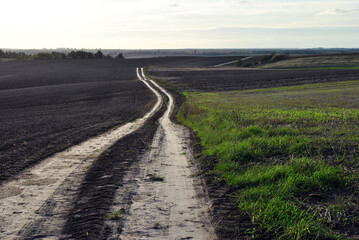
column 338, row 11
column 236, row 1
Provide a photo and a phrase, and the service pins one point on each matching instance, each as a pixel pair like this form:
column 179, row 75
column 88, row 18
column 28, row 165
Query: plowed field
column 47, row 106
column 231, row 79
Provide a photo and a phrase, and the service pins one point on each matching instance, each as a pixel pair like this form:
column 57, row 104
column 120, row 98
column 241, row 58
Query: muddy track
column 70, row 195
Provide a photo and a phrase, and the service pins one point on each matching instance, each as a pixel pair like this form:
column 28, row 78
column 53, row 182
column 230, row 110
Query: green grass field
column 291, row 152
column 317, row 62
column 324, row 68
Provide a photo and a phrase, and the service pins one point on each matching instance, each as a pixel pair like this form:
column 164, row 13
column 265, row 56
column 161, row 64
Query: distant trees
column 80, row 55
column 241, row 63
column 88, row 55
column 272, row 58
column 8, row 54
column 279, row 57
column 119, row 56
column 247, row 62
column 58, row 55
column 259, row 60
column 22, row 56
column 46, row 55
column 99, row 54
column 38, row 56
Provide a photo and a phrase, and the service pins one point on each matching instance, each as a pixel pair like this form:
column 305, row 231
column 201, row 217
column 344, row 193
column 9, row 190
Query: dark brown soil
column 98, row 191
column 186, row 62
column 231, row 80
column 47, row 106
column 87, row 218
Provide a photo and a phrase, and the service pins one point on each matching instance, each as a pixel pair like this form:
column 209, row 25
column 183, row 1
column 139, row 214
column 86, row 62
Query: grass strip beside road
column 324, row 68
column 291, row 152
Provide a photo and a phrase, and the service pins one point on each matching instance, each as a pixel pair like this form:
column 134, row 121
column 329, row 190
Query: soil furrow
column 90, row 217
column 29, row 201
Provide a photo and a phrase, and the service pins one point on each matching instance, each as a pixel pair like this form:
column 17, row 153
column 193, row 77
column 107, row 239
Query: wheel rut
column 134, row 182
column 169, row 202
column 36, row 203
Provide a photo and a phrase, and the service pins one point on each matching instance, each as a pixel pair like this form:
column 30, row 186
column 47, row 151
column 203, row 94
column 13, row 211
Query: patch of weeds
column 342, row 211
column 157, row 178
column 156, row 225
column 251, row 232
column 218, row 229
column 114, row 216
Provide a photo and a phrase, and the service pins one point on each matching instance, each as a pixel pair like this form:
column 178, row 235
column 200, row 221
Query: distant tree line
column 90, row 55
column 58, row 55
column 10, row 54
column 45, row 55
column 273, row 58
column 259, row 60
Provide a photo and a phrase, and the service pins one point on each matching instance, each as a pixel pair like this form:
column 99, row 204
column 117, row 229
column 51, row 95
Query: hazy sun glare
column 178, row 24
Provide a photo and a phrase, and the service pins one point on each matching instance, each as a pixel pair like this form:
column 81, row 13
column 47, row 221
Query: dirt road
column 167, row 204
column 37, row 203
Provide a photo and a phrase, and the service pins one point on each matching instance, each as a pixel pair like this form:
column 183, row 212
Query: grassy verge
column 323, row 68
column 291, row 152
column 344, row 61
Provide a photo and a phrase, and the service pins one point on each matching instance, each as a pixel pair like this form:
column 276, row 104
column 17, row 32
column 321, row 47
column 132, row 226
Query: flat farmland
column 82, row 141
column 89, row 151
column 289, row 180
column 190, row 62
column 231, row 79
column 47, row 106
column 336, row 61
column 289, row 154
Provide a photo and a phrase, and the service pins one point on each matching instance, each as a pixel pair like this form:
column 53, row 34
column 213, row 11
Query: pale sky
column 159, row 24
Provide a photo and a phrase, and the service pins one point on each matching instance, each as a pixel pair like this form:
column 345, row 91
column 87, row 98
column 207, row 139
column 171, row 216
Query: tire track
column 87, row 219
column 175, row 206
column 36, row 203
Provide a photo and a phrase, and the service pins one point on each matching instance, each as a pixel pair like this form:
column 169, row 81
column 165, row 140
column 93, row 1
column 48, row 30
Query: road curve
column 51, row 185
column 175, row 208
column 37, row 203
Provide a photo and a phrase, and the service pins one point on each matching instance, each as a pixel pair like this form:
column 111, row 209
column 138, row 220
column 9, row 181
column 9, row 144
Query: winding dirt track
column 170, row 209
